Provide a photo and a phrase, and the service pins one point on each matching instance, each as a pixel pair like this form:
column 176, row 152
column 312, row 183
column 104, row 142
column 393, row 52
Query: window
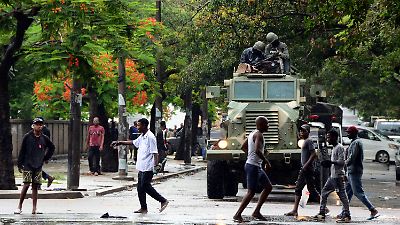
column 247, row 90
column 281, row 90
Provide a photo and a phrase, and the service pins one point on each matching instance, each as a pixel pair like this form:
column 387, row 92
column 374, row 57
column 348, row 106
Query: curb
column 15, row 194
column 43, row 195
column 106, row 191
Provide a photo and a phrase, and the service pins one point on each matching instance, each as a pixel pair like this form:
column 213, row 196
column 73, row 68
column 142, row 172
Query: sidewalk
column 90, row 185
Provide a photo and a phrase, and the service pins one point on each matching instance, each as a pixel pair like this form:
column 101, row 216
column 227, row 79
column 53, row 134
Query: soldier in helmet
column 253, row 54
column 277, row 49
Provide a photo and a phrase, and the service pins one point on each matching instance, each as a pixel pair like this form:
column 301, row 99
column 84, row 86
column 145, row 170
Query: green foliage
column 68, row 36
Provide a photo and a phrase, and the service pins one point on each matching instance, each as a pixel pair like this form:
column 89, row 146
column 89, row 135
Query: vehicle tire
column 397, row 173
column 230, row 184
column 215, row 179
column 382, row 157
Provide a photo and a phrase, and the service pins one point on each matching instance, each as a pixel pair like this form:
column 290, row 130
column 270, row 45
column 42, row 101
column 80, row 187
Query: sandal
column 36, row 212
column 291, row 214
column 18, row 211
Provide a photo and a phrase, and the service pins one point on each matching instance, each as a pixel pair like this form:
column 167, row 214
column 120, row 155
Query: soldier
column 277, row 49
column 255, row 168
column 254, row 54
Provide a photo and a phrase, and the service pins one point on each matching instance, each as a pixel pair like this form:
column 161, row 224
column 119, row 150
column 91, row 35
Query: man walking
column 36, row 148
column 336, row 181
column 255, row 173
column 354, row 163
column 147, row 158
column 94, row 142
column 306, row 175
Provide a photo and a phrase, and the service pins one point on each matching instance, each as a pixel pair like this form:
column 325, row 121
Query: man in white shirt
column 147, row 159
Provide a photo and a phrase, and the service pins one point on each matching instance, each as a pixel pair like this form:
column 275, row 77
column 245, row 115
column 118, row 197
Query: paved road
column 189, row 205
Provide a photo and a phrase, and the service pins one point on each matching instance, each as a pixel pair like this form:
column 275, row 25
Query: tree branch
column 24, row 21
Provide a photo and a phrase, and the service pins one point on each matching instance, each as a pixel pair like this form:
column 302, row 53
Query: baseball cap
column 352, row 130
column 37, row 120
column 305, row 127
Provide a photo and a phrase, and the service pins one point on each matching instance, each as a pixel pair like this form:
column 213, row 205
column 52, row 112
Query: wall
column 59, row 131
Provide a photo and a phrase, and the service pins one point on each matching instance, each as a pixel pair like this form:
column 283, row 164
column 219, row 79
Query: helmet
column 305, row 127
column 259, row 45
column 271, row 37
column 352, row 130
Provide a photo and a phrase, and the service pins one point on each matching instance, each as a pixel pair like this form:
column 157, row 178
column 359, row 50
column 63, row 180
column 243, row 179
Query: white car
column 377, row 146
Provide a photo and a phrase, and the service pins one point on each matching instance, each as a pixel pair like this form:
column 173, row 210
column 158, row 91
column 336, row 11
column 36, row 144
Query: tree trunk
column 109, row 156
column 7, row 179
column 75, row 137
column 24, row 21
column 188, row 128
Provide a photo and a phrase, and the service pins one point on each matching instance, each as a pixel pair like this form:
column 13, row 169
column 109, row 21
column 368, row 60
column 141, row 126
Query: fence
column 59, row 131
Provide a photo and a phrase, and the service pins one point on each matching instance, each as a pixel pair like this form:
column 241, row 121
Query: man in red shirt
column 94, row 142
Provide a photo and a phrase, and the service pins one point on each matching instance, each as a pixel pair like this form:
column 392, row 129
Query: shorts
column 256, row 177
column 32, row 176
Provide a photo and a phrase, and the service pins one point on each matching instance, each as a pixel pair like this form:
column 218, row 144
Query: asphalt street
column 190, row 205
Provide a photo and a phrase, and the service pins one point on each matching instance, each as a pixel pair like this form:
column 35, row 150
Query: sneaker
column 164, row 205
column 18, row 211
column 374, row 214
column 319, row 217
column 327, row 211
column 95, row 173
column 344, row 219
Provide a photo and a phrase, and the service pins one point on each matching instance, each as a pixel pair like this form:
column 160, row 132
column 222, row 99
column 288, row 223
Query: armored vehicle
column 279, row 97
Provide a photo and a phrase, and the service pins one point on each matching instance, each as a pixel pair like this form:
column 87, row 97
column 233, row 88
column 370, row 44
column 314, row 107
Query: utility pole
column 75, row 136
column 122, row 124
column 159, row 72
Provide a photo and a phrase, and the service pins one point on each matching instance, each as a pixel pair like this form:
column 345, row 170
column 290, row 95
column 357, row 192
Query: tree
column 18, row 20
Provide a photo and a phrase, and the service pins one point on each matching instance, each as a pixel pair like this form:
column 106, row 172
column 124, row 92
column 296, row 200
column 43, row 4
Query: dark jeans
column 306, row 177
column 144, row 186
column 94, row 159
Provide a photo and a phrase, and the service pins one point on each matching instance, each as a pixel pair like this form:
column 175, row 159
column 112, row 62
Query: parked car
column 173, row 142
column 391, row 128
column 377, row 146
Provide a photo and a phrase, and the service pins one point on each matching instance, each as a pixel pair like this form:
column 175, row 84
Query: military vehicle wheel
column 215, row 179
column 230, row 185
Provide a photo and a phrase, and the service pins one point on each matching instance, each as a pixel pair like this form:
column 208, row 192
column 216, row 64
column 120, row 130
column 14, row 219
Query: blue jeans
column 354, row 186
column 144, row 186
